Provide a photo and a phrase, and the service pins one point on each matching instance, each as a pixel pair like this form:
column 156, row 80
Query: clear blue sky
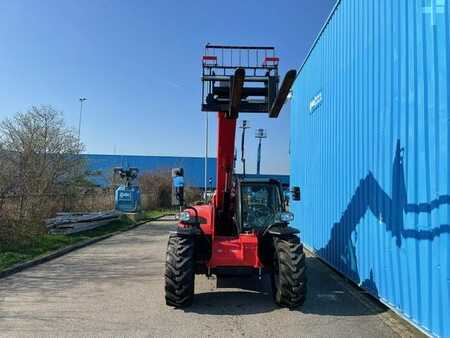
column 138, row 63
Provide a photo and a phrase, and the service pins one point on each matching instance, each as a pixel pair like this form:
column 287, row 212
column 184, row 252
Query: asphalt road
column 115, row 289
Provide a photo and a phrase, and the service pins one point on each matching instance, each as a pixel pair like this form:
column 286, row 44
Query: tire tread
column 180, row 273
column 291, row 272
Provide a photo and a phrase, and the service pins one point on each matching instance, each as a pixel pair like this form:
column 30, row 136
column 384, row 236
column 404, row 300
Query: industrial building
column 101, row 167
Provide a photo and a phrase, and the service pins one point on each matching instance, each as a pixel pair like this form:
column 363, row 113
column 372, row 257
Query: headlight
column 286, row 216
column 184, row 216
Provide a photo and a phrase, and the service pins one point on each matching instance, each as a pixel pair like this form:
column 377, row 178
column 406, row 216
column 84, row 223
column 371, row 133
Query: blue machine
column 177, row 186
column 127, row 195
column 178, row 182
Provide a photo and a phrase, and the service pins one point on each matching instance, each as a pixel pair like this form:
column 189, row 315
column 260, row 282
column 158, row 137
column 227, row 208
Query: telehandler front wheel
column 289, row 272
column 180, row 271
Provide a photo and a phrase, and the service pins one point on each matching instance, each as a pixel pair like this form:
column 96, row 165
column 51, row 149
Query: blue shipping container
column 370, row 148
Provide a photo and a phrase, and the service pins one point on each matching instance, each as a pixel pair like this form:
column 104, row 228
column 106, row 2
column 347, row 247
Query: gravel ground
column 115, row 288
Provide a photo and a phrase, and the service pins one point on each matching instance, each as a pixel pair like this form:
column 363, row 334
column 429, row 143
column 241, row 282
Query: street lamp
column 260, row 134
column 245, row 125
column 206, row 154
column 82, row 99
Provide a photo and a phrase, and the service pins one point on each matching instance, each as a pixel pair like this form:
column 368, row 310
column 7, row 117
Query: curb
column 61, row 252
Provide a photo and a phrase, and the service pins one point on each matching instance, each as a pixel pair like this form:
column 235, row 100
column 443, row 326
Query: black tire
column 180, row 271
column 289, row 272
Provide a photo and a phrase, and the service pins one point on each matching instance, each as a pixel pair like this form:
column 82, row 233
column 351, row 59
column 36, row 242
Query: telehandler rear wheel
column 180, row 271
column 289, row 272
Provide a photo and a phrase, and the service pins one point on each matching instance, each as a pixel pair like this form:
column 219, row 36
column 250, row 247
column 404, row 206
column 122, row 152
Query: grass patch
column 157, row 213
column 43, row 244
column 40, row 245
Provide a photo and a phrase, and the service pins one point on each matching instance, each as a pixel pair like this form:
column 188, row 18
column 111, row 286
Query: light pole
column 206, row 155
column 260, row 134
column 82, row 99
column 244, row 126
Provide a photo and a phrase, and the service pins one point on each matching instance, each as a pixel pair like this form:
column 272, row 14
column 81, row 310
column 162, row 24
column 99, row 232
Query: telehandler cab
column 244, row 230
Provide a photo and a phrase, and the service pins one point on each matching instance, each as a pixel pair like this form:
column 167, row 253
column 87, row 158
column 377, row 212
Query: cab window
column 260, row 205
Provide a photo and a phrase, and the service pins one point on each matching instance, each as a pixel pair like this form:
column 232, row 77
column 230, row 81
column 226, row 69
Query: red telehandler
column 244, row 230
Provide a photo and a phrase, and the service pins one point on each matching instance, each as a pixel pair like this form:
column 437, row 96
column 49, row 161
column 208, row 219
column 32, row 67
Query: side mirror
column 296, row 193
